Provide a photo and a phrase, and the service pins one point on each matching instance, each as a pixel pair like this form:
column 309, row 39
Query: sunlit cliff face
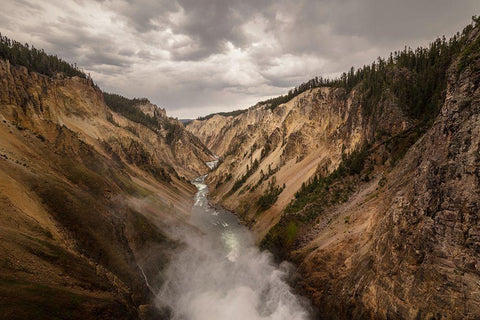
column 222, row 275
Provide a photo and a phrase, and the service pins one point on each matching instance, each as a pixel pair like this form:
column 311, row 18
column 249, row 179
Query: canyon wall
column 87, row 199
column 378, row 207
column 286, row 147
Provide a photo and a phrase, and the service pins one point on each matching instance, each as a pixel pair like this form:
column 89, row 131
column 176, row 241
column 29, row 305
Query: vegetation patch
column 270, row 195
column 128, row 108
column 311, row 200
column 174, row 132
column 85, row 273
column 243, row 179
column 80, row 175
column 36, row 60
column 27, row 300
column 224, row 114
column 417, row 77
column 471, row 53
column 92, row 222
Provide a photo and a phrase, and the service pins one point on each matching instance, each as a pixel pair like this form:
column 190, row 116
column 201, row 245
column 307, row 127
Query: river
column 222, row 275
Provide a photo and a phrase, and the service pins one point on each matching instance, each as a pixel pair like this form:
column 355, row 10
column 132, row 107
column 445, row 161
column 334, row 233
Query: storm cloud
column 195, row 57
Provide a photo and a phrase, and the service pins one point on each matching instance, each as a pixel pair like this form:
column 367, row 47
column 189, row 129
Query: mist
column 221, row 274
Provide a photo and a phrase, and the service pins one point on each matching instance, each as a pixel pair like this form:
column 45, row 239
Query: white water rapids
column 222, row 274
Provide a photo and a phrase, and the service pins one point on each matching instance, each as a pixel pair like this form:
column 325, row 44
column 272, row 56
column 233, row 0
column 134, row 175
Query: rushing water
column 223, row 275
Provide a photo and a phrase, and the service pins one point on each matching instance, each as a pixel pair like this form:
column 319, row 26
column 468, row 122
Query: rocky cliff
column 382, row 214
column 86, row 196
column 406, row 246
column 283, row 148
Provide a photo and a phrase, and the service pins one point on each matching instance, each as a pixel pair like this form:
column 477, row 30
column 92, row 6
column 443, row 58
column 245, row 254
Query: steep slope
column 386, row 224
column 408, row 247
column 165, row 137
column 212, row 131
column 87, row 197
column 270, row 153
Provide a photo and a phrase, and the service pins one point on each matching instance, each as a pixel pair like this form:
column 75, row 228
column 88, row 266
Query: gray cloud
column 198, row 56
column 208, row 24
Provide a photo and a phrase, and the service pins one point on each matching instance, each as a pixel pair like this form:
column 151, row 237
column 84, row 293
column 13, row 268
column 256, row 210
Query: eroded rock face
column 87, row 198
column 405, row 245
column 292, row 142
column 31, row 98
column 411, row 248
column 210, row 132
column 152, row 110
column 431, row 236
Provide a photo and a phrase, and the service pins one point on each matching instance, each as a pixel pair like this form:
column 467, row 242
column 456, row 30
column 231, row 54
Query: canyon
column 87, row 195
column 370, row 192
column 378, row 208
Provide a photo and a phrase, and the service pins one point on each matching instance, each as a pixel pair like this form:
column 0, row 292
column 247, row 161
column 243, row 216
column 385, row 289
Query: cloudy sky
column 195, row 57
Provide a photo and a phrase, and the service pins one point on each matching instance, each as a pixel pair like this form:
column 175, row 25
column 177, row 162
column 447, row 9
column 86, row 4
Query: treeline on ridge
column 128, row 108
column 36, row 60
column 417, row 77
column 39, row 61
column 225, row 114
